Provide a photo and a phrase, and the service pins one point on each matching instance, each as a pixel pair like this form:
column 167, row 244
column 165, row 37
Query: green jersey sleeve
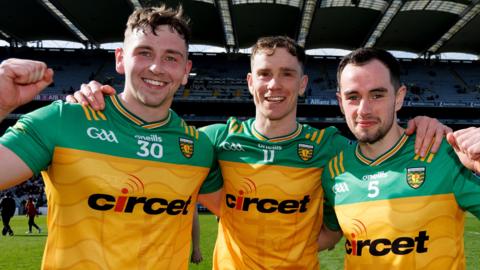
column 337, row 142
column 214, row 133
column 32, row 138
column 214, row 180
column 329, row 218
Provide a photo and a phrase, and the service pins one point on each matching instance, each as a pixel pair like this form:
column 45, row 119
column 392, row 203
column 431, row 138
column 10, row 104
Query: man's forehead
column 373, row 70
column 144, row 37
column 279, row 57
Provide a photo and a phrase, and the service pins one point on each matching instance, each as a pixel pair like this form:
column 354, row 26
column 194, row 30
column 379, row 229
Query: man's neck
column 274, row 128
column 378, row 148
column 146, row 113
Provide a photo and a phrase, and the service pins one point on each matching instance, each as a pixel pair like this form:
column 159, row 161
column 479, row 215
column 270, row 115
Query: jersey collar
column 135, row 119
column 290, row 136
column 392, row 151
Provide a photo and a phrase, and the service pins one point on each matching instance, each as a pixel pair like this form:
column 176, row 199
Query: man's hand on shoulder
column 92, row 94
column 430, row 133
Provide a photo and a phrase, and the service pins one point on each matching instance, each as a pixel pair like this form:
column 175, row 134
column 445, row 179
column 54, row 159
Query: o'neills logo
column 129, row 204
column 383, row 246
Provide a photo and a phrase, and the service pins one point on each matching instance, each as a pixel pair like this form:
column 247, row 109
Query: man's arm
column 328, row 238
column 12, row 168
column 196, row 257
column 20, row 81
column 212, row 201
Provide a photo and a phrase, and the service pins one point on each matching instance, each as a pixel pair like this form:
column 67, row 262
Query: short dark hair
column 362, row 56
column 269, row 44
column 152, row 17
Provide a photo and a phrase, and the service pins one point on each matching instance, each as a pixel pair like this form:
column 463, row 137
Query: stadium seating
column 222, row 77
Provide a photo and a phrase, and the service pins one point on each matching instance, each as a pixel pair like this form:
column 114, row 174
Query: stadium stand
column 221, row 77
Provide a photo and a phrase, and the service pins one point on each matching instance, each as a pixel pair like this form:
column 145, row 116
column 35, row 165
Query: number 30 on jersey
column 150, row 149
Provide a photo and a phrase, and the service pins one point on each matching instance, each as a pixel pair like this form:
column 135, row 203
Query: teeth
column 275, row 99
column 158, row 83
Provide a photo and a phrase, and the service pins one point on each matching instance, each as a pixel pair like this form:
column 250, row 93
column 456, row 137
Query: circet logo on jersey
column 101, row 134
column 246, row 201
column 359, row 244
column 186, row 147
column 129, row 201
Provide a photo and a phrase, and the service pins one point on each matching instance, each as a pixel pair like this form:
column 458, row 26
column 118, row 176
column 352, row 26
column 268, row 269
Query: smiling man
column 271, row 212
column 121, row 184
column 271, row 165
column 396, row 209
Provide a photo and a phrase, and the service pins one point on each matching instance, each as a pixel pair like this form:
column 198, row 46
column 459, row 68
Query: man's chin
column 367, row 138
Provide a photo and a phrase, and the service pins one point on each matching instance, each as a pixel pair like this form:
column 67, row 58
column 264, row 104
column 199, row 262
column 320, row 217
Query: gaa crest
column 305, row 151
column 416, row 177
column 186, row 147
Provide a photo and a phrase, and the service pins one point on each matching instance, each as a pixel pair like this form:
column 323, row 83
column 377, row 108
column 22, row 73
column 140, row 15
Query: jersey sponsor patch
column 416, row 177
column 186, row 147
column 305, row 151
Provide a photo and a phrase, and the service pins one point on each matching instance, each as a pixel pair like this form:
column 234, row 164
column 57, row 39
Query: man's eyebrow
column 374, row 90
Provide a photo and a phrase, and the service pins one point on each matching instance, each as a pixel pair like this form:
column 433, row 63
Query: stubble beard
column 364, row 137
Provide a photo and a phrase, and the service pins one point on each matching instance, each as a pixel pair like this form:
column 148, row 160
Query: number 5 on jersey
column 373, row 189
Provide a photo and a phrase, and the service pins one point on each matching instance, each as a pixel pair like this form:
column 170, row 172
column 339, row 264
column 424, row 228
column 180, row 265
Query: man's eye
column 170, row 59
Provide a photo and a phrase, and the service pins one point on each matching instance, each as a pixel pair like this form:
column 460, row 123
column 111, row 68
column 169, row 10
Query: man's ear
column 400, row 97
column 119, row 65
column 188, row 67
column 250, row 83
column 339, row 99
column 303, row 85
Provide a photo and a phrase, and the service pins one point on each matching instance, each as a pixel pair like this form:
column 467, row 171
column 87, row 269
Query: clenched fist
column 20, row 81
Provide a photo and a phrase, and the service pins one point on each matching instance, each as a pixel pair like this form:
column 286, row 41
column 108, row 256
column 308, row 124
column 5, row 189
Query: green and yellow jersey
column 400, row 211
column 121, row 191
column 272, row 209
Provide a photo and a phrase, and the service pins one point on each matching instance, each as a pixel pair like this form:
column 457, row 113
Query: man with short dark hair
column 271, row 211
column 122, row 184
column 397, row 210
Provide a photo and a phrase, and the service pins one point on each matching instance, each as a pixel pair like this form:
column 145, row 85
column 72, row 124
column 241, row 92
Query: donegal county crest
column 186, row 147
column 305, row 151
column 416, row 177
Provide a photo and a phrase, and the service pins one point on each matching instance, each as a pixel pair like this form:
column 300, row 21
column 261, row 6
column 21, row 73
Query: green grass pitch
column 24, row 251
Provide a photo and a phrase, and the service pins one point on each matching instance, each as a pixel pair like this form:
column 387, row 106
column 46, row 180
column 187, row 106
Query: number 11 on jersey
column 268, row 155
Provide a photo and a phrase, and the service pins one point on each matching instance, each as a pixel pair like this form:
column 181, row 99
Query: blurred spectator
column 31, row 212
column 8, row 210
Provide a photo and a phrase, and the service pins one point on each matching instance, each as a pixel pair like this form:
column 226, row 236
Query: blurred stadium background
column 421, row 32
